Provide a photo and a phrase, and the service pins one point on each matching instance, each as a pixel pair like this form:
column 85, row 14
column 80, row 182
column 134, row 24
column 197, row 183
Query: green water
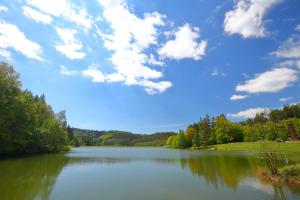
column 138, row 174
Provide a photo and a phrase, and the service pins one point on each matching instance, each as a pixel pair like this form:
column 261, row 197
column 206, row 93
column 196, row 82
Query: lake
column 124, row 173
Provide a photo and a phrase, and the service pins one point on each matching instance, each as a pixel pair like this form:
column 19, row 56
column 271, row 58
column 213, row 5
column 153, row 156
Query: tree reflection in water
column 35, row 177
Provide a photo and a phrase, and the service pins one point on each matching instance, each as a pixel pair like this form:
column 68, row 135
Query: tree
column 205, row 129
column 196, row 140
column 180, row 142
column 27, row 123
column 170, row 141
column 77, row 139
column 70, row 134
column 227, row 131
column 10, row 90
column 189, row 135
column 261, row 118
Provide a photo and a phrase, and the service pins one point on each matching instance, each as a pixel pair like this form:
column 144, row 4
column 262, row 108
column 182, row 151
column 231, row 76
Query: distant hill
column 121, row 138
column 86, row 132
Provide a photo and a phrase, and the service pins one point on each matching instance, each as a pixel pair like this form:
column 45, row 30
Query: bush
column 290, row 170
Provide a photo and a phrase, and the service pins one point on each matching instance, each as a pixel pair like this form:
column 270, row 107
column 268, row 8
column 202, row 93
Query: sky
column 154, row 65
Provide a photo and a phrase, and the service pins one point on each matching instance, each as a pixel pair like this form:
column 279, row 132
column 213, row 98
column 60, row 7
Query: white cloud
column 93, row 73
column 128, row 40
column 184, row 45
column 129, row 31
column 12, row 37
column 153, row 61
column 3, row 9
column 67, row 72
column 238, row 97
column 269, row 81
column 6, row 54
column 65, row 9
column 289, row 49
column 69, row 46
column 133, row 42
column 285, row 99
column 249, row 113
column 36, row 15
column 246, row 18
column 158, row 87
column 257, row 185
column 115, row 77
column 290, row 63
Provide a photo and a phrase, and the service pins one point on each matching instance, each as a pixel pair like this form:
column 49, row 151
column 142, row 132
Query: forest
column 28, row 124
column 83, row 137
column 274, row 125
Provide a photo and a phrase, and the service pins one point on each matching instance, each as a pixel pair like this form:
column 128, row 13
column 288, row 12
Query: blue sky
column 147, row 66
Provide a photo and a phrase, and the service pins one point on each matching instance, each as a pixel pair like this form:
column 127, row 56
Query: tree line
column 278, row 124
column 84, row 137
column 28, row 124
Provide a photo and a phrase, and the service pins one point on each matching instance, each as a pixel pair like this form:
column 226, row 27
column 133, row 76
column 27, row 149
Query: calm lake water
column 138, row 174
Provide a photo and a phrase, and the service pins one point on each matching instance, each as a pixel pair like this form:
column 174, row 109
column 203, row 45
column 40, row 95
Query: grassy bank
column 287, row 174
column 284, row 147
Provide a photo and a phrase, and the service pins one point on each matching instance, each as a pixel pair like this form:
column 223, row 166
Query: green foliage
column 180, row 140
column 196, row 140
column 77, row 140
column 282, row 124
column 271, row 156
column 171, row 141
column 27, row 124
column 205, row 129
column 189, row 135
column 120, row 138
column 117, row 138
column 227, row 131
column 290, row 170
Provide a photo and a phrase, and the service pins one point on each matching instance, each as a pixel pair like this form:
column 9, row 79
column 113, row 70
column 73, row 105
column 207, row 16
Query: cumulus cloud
column 128, row 30
column 247, row 16
column 12, row 37
column 132, row 41
column 289, row 49
column 290, row 63
column 66, row 71
column 249, row 113
column 151, row 87
column 36, row 15
column 128, row 39
column 64, row 8
column 156, row 87
column 184, row 45
column 238, row 97
column 93, row 73
column 3, row 9
column 273, row 80
column 69, row 46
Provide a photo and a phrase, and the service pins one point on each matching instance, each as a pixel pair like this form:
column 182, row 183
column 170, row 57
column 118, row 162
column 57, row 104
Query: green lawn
column 284, row 147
